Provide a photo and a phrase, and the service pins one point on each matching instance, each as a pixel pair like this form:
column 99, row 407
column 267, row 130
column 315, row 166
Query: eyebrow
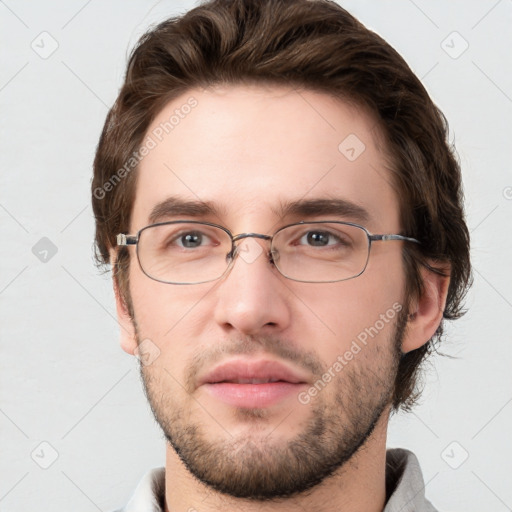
column 174, row 206
column 314, row 207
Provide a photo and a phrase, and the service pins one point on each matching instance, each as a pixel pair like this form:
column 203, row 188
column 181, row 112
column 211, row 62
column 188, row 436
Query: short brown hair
column 309, row 44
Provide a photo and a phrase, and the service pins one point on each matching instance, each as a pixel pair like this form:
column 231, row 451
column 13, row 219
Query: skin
column 247, row 149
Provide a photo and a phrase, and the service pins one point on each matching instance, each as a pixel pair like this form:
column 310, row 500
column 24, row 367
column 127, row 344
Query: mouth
column 253, row 383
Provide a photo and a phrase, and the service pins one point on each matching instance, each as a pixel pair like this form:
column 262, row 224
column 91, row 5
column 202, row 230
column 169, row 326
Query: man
column 274, row 191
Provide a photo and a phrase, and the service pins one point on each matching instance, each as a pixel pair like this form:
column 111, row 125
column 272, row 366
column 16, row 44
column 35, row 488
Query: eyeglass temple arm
column 124, row 240
column 385, row 238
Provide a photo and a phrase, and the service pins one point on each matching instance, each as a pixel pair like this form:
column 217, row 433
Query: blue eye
column 322, row 239
column 190, row 240
column 318, row 238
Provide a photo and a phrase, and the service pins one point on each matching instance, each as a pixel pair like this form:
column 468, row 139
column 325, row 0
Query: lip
column 235, row 370
column 227, row 382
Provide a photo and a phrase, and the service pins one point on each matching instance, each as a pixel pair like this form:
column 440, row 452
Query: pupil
column 191, row 240
column 318, row 238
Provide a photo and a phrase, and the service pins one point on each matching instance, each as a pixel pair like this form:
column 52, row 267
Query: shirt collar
column 404, row 482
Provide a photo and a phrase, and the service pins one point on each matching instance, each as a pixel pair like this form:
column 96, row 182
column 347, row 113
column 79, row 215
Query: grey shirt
column 404, row 484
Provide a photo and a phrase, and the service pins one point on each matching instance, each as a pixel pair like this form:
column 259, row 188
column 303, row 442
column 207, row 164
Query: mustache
column 206, row 357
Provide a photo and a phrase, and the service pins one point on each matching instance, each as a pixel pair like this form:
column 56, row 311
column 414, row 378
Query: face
column 249, row 152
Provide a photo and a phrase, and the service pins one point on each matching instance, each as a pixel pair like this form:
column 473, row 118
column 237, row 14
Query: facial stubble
column 265, row 468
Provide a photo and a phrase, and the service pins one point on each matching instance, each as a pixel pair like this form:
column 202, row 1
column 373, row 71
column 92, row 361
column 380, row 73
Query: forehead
column 250, row 150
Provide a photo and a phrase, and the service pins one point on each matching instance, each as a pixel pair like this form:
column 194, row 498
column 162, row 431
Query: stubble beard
column 266, row 468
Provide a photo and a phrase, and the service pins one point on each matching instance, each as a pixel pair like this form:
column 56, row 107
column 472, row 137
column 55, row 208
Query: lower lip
column 253, row 395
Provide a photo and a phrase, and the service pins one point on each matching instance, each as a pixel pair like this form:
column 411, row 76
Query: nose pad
column 231, row 255
column 273, row 257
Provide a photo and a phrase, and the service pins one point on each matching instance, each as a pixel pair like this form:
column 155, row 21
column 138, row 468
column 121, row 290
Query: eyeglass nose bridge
column 234, row 249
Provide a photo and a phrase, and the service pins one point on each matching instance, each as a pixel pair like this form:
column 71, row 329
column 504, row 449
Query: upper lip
column 243, row 370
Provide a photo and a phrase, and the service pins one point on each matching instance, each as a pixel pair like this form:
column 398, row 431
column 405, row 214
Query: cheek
column 325, row 318
column 171, row 316
column 341, row 312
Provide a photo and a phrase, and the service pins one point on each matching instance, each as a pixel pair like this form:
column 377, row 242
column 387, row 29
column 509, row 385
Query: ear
column 426, row 312
column 128, row 337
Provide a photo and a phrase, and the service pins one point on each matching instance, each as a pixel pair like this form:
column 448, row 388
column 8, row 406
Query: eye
column 320, row 239
column 184, row 239
column 191, row 240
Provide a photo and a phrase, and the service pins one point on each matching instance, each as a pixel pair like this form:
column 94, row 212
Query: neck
column 360, row 485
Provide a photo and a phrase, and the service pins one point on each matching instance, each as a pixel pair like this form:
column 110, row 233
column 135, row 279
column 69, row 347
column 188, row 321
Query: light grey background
column 64, row 380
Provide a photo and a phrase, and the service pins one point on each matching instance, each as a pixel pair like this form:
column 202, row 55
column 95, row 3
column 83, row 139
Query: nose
column 252, row 298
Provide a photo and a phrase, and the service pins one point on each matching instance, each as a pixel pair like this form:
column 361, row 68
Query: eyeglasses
column 190, row 252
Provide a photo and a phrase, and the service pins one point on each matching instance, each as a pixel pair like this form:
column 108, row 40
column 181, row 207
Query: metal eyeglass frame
column 124, row 240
